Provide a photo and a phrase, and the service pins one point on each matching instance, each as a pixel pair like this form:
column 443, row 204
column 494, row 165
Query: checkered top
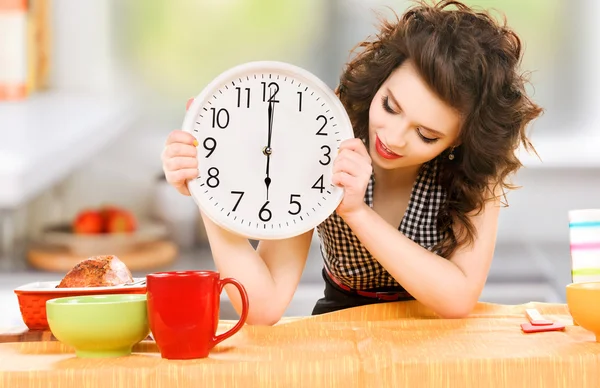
column 350, row 262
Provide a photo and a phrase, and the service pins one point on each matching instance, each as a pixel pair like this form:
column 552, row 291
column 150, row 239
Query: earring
column 451, row 154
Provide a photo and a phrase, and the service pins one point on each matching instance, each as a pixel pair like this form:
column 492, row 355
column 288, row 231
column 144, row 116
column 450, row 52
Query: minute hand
column 271, row 111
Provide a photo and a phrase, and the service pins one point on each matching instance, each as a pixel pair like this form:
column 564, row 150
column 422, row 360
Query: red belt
column 387, row 296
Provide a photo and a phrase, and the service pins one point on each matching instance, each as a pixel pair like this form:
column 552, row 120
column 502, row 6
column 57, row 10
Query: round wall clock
column 267, row 134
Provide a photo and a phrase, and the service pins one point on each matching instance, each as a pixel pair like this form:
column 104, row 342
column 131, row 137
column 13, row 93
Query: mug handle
column 243, row 316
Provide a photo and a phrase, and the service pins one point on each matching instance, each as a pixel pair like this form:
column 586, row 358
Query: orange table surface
column 400, row 344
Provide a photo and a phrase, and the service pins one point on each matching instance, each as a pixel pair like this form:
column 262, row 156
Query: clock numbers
column 220, row 117
column 213, row 180
column 265, row 214
column 296, row 203
column 319, row 185
column 210, row 144
column 241, row 194
column 239, row 97
column 327, row 152
column 273, row 87
column 295, row 114
column 320, row 131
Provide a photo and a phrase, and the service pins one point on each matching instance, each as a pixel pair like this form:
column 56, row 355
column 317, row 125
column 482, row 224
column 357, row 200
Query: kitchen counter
column 400, row 344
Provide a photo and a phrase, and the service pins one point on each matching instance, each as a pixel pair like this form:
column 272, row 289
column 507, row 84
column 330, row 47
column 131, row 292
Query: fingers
column 178, row 177
column 347, row 163
column 174, row 150
column 179, row 136
column 353, row 163
column 180, row 163
column 343, row 179
column 179, row 160
column 355, row 145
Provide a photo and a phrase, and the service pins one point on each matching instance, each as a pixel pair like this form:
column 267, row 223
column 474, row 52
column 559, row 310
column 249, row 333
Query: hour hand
column 268, row 177
column 267, row 183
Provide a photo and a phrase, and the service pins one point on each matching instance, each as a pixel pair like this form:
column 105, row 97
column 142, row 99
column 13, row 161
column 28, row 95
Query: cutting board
column 144, row 257
column 22, row 334
column 26, row 335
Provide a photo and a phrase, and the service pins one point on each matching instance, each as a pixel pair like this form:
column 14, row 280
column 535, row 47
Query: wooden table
column 400, row 344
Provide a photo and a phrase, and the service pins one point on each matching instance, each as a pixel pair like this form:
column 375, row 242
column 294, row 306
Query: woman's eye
column 385, row 102
column 426, row 139
column 386, row 105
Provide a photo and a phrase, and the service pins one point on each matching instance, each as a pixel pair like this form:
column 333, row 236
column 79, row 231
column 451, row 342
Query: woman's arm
column 451, row 287
column 270, row 273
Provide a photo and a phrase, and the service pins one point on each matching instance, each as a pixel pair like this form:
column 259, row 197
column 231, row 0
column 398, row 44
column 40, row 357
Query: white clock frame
column 204, row 112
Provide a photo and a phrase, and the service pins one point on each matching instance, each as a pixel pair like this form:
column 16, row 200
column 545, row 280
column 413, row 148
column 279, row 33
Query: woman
column 438, row 110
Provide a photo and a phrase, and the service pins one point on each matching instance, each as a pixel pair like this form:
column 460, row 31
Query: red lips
column 384, row 152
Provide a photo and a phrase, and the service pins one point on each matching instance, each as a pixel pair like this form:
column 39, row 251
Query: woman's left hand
column 352, row 170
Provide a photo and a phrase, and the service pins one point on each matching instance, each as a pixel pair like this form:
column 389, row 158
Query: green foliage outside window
column 176, row 47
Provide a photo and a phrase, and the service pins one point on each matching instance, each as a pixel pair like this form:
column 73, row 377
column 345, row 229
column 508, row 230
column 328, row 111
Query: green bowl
column 99, row 325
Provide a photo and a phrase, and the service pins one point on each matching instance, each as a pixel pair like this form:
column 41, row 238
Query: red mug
column 183, row 312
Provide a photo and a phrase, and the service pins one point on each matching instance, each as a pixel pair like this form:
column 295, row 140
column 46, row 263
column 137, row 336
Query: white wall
column 538, row 210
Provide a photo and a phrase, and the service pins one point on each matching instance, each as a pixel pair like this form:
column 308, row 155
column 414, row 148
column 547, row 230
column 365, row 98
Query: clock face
column 268, row 133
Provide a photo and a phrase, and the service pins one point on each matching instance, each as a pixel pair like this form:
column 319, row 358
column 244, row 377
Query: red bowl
column 33, row 297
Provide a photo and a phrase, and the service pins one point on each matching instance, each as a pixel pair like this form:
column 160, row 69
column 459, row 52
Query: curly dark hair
column 471, row 62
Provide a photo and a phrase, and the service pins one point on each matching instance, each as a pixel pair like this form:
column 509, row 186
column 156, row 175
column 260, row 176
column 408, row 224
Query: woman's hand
column 352, row 170
column 179, row 160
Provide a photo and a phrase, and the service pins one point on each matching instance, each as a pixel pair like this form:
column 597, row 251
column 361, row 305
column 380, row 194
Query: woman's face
column 408, row 124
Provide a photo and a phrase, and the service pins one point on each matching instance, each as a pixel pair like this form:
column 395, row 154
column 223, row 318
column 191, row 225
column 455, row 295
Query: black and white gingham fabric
column 352, row 264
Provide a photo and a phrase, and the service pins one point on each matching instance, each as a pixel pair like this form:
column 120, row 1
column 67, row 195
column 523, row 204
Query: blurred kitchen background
column 89, row 91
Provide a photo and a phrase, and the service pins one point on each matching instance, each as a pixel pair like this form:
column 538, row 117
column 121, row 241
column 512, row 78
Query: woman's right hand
column 179, row 160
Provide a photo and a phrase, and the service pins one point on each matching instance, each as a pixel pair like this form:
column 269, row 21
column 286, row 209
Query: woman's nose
column 399, row 134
